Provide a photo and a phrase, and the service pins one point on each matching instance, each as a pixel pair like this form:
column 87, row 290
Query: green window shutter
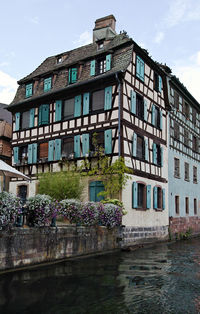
column 145, row 110
column 94, row 189
column 161, row 156
column 77, row 152
column 58, row 111
column 57, row 149
column 146, row 149
column 73, row 75
column 153, row 114
column 154, row 153
column 133, row 101
column 161, row 119
column 34, row 151
column 160, row 83
column 134, row 195
column 86, row 103
column 108, row 62
column 163, row 198
column 108, row 141
column 134, row 150
column 30, row 154
column 155, row 197
column 29, row 90
column 45, row 114
column 92, row 68
column 47, row 84
column 138, row 66
column 85, row 144
column 77, row 106
column 40, row 115
column 17, row 121
column 51, row 150
column 32, row 118
column 142, row 70
column 108, row 98
column 69, row 76
column 16, row 154
column 148, row 195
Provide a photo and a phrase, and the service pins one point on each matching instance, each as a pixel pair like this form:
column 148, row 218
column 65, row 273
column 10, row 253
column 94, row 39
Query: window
column 177, row 205
column 176, row 168
column 195, row 206
column 95, row 188
column 47, row 84
column 23, row 154
column 140, row 106
column 68, row 147
column 194, row 174
column 176, row 100
column 194, row 116
column 101, row 65
column 186, row 110
column 59, row 59
column 187, row 205
column 157, row 82
column 187, row 171
column 140, row 147
column 157, row 117
column 176, row 131
column 97, row 142
column 140, row 68
column 186, row 137
column 141, row 195
column 98, row 100
column 29, row 90
column 43, row 115
column 43, row 151
column 100, row 45
column 158, row 198
column 72, row 75
column 25, row 120
column 194, row 144
column 157, row 155
column 68, row 109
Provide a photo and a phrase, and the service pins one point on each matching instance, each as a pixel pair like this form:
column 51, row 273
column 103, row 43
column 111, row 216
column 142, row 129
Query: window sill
column 28, row 96
column 187, row 180
column 142, row 209
column 177, row 177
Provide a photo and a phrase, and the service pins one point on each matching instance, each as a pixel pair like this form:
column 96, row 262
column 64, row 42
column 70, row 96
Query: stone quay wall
column 178, row 225
column 30, row 246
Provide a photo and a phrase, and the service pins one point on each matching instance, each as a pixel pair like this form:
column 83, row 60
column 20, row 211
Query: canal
column 160, row 279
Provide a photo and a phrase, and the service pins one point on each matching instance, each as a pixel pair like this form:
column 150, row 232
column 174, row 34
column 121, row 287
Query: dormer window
column 100, row 45
column 59, row 60
column 72, row 75
column 29, row 90
column 47, row 84
column 100, row 65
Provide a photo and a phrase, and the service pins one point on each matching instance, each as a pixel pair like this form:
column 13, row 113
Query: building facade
column 114, row 89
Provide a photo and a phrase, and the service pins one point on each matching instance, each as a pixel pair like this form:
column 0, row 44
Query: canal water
column 160, row 279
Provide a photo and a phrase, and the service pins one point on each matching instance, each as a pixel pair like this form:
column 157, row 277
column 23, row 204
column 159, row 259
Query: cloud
column 8, row 87
column 189, row 75
column 159, row 37
column 4, row 64
column 84, row 39
column 33, row 19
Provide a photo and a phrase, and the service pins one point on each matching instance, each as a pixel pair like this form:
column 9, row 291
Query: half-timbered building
column 184, row 158
column 113, row 88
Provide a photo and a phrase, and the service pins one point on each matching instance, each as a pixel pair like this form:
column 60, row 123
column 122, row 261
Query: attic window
column 100, row 45
column 59, row 60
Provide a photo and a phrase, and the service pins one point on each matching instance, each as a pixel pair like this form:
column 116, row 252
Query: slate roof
column 5, row 114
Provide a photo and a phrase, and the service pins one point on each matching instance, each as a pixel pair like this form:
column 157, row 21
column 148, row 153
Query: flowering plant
column 110, row 215
column 70, row 209
column 10, row 207
column 89, row 213
column 40, row 210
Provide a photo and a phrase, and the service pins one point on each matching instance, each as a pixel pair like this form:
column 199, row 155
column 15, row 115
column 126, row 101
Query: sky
column 32, row 30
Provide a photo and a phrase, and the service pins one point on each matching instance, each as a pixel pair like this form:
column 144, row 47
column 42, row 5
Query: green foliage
column 61, row 185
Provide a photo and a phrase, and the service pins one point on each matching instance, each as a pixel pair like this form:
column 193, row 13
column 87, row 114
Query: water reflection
column 162, row 279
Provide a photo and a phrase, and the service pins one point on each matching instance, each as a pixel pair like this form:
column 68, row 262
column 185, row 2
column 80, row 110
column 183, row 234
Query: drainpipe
column 119, row 115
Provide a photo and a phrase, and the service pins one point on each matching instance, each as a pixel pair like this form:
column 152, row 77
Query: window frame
column 67, row 155
column 65, row 118
column 176, row 168
column 195, row 178
column 91, row 110
column 187, row 210
column 139, row 109
column 21, row 122
column 195, row 206
column 177, row 204
column 186, row 170
column 140, row 148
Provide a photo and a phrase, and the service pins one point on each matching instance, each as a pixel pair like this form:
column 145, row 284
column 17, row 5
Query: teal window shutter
column 133, row 101
column 134, row 151
column 58, row 111
column 161, row 119
column 57, row 144
column 92, row 68
column 29, row 90
column 161, row 156
column 160, row 83
column 73, row 75
column 145, row 110
column 95, row 188
column 85, row 144
column 155, row 197
column 47, row 84
column 86, row 103
column 45, row 114
column 51, row 151
column 108, row 98
column 69, row 75
column 77, row 152
column 77, row 106
column 148, row 191
column 30, row 154
column 108, row 62
column 16, row 154
column 108, row 141
column 163, row 198
column 32, row 118
column 140, row 68
column 34, row 151
column 134, row 195
column 17, row 121
column 146, row 149
column 40, row 115
column 155, row 154
column 153, row 114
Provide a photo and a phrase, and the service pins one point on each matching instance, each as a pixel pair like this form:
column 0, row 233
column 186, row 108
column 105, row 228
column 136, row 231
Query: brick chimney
column 104, row 28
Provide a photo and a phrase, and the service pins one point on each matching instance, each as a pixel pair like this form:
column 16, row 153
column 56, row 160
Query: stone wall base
column 135, row 235
column 178, row 226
